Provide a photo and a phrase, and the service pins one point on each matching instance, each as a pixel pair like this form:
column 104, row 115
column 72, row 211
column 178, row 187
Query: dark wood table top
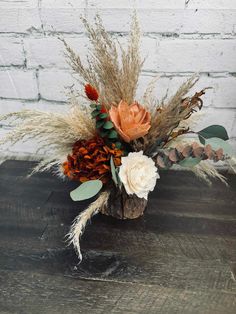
column 179, row 258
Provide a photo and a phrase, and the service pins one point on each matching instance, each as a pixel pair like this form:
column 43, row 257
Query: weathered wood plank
column 179, row 258
column 167, row 196
column 41, row 293
column 168, row 272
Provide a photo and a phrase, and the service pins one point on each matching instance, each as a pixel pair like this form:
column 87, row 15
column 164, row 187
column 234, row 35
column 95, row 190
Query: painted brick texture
column 180, row 37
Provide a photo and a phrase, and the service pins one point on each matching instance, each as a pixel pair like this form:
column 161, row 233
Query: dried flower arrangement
column 116, row 146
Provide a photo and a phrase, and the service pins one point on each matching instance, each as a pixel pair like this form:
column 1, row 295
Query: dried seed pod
column 219, row 154
column 209, row 151
column 198, row 151
column 167, row 157
column 195, row 145
column 187, row 151
column 166, row 152
column 179, row 147
column 160, row 162
column 173, row 155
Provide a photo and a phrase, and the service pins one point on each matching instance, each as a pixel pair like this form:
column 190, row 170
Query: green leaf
column 108, row 125
column 86, row 190
column 99, row 107
column 113, row 171
column 189, row 162
column 118, row 145
column 118, row 178
column 93, row 106
column 95, row 113
column 99, row 124
column 217, row 143
column 103, row 115
column 103, row 133
column 213, row 131
column 113, row 134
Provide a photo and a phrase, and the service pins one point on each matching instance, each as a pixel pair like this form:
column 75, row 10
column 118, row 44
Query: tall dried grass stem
column 81, row 220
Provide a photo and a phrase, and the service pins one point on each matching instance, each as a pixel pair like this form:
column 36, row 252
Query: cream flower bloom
column 138, row 173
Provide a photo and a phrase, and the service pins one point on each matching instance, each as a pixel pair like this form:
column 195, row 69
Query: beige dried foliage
column 205, row 170
column 115, row 79
column 81, row 220
column 169, row 118
column 54, row 133
column 231, row 162
column 148, row 99
column 192, row 123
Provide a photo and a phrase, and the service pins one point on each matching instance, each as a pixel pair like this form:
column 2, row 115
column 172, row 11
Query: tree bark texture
column 123, row 206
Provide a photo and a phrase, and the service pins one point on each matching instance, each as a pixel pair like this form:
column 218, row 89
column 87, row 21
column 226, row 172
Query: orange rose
column 131, row 122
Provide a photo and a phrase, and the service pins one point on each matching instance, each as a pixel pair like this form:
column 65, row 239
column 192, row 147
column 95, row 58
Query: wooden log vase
column 123, row 206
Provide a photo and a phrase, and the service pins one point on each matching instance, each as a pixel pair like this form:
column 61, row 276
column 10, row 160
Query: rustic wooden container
column 123, row 206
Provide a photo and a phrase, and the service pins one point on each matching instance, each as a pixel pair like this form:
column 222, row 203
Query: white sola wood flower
column 138, row 173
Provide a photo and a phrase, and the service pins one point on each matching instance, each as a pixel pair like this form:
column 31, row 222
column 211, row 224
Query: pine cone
column 170, row 156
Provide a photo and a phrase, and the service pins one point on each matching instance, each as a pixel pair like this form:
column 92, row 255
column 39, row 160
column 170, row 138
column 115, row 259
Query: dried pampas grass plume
column 232, row 164
column 54, row 133
column 81, row 220
column 111, row 69
column 205, row 170
column 170, row 116
column 148, row 98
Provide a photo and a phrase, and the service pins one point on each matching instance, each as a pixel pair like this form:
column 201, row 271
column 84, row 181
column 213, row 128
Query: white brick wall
column 180, row 37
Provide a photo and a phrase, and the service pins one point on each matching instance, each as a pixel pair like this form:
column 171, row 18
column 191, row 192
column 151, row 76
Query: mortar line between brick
column 145, row 72
column 37, row 34
column 40, row 15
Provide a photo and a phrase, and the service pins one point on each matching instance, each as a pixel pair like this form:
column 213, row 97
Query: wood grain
column 179, row 257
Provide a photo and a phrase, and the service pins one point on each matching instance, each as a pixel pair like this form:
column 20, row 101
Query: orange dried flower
column 131, row 122
column 90, row 160
column 91, row 92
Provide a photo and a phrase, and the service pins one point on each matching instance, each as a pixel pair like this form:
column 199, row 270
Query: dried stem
column 169, row 117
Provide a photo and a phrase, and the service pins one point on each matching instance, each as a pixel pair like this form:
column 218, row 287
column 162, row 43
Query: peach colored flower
column 131, row 122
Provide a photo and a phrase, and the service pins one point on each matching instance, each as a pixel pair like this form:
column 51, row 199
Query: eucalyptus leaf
column 113, row 171
column 118, row 178
column 189, row 162
column 99, row 124
column 108, row 125
column 217, row 143
column 118, row 145
column 103, row 115
column 103, row 133
column 86, row 190
column 213, row 131
column 113, row 134
column 95, row 113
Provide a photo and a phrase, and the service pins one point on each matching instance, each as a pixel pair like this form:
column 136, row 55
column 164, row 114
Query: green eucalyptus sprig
column 104, row 125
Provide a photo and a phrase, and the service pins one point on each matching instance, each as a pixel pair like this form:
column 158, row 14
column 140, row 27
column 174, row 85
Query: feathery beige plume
column 148, row 99
column 231, row 162
column 111, row 69
column 205, row 170
column 54, row 133
column 169, row 118
column 81, row 220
